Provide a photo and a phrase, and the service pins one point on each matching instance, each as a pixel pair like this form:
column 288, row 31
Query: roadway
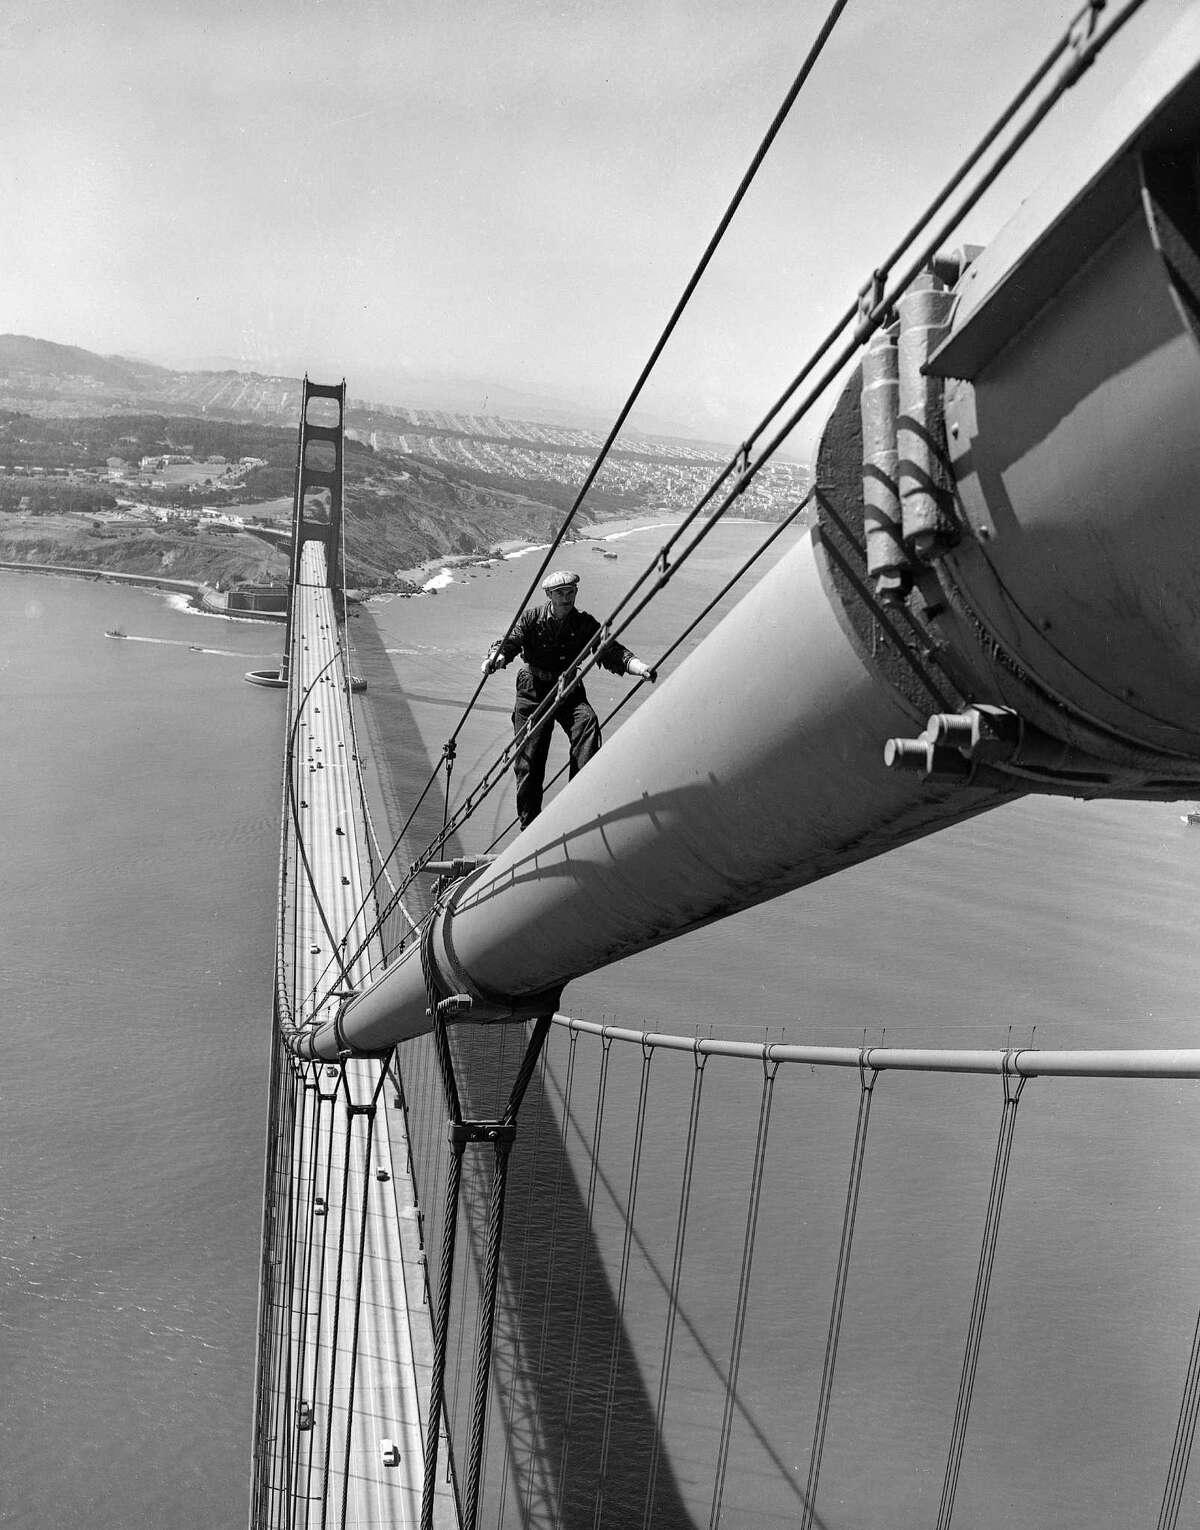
column 357, row 1347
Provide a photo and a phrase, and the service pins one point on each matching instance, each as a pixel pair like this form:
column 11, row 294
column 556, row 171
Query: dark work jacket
column 551, row 648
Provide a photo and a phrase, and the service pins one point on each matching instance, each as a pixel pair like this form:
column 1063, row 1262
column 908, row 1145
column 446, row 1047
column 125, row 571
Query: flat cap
column 560, row 579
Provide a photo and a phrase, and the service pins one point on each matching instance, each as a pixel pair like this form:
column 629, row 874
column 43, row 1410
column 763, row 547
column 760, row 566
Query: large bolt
column 907, row 754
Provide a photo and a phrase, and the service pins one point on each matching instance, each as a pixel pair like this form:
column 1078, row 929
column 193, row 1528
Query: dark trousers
column 574, row 716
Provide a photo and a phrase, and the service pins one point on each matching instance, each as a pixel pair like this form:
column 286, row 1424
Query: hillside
column 76, row 430
column 59, row 504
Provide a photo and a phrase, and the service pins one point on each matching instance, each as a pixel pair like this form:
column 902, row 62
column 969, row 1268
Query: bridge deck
column 357, row 1339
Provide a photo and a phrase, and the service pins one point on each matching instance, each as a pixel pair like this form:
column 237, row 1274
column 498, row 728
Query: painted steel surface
column 1072, row 405
column 756, row 768
column 1070, row 596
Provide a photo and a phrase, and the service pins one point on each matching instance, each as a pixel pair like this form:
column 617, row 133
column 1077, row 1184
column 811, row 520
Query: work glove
column 642, row 671
column 492, row 663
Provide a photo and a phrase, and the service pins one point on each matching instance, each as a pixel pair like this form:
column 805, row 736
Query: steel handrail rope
column 674, row 647
column 882, row 301
column 1027, row 1062
column 727, row 217
column 755, row 165
column 883, row 298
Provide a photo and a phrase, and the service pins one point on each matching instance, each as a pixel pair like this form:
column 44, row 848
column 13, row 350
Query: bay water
column 140, row 792
column 140, row 799
column 1049, row 921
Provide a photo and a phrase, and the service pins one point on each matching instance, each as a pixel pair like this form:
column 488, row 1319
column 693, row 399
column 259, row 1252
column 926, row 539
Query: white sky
column 510, row 191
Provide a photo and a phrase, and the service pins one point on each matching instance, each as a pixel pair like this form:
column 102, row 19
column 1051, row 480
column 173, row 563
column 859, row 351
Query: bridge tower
column 317, row 510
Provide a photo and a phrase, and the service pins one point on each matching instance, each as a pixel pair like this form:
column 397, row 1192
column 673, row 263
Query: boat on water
column 115, row 632
column 1193, row 818
column 610, row 555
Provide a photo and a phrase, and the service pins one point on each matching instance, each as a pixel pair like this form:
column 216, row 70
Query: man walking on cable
column 550, row 638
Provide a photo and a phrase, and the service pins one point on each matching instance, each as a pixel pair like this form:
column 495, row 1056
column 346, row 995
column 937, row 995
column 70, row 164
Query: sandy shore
column 436, row 573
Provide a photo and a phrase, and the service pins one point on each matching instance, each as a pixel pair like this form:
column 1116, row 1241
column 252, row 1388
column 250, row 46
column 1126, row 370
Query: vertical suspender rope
column 518, row 1346
column 1013, row 1086
column 441, row 1315
column 293, row 1373
column 502, row 1143
column 770, row 1070
column 337, row 1319
column 867, row 1076
column 577, row 1331
column 614, row 1350
column 681, row 1220
column 500, row 1134
column 302, row 1295
column 368, row 1111
column 449, row 751
column 282, row 1210
column 1185, row 1434
column 323, row 1099
column 479, row 1246
column 560, row 1171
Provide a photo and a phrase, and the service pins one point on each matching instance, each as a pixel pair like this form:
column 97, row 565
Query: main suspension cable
column 643, row 377
column 660, row 344
column 1085, row 44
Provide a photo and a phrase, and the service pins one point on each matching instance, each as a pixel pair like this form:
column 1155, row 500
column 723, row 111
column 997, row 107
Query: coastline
column 199, row 596
column 436, row 573
column 112, row 576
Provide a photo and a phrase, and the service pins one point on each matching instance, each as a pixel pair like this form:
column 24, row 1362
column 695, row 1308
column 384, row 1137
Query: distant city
column 149, row 461
column 660, row 474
